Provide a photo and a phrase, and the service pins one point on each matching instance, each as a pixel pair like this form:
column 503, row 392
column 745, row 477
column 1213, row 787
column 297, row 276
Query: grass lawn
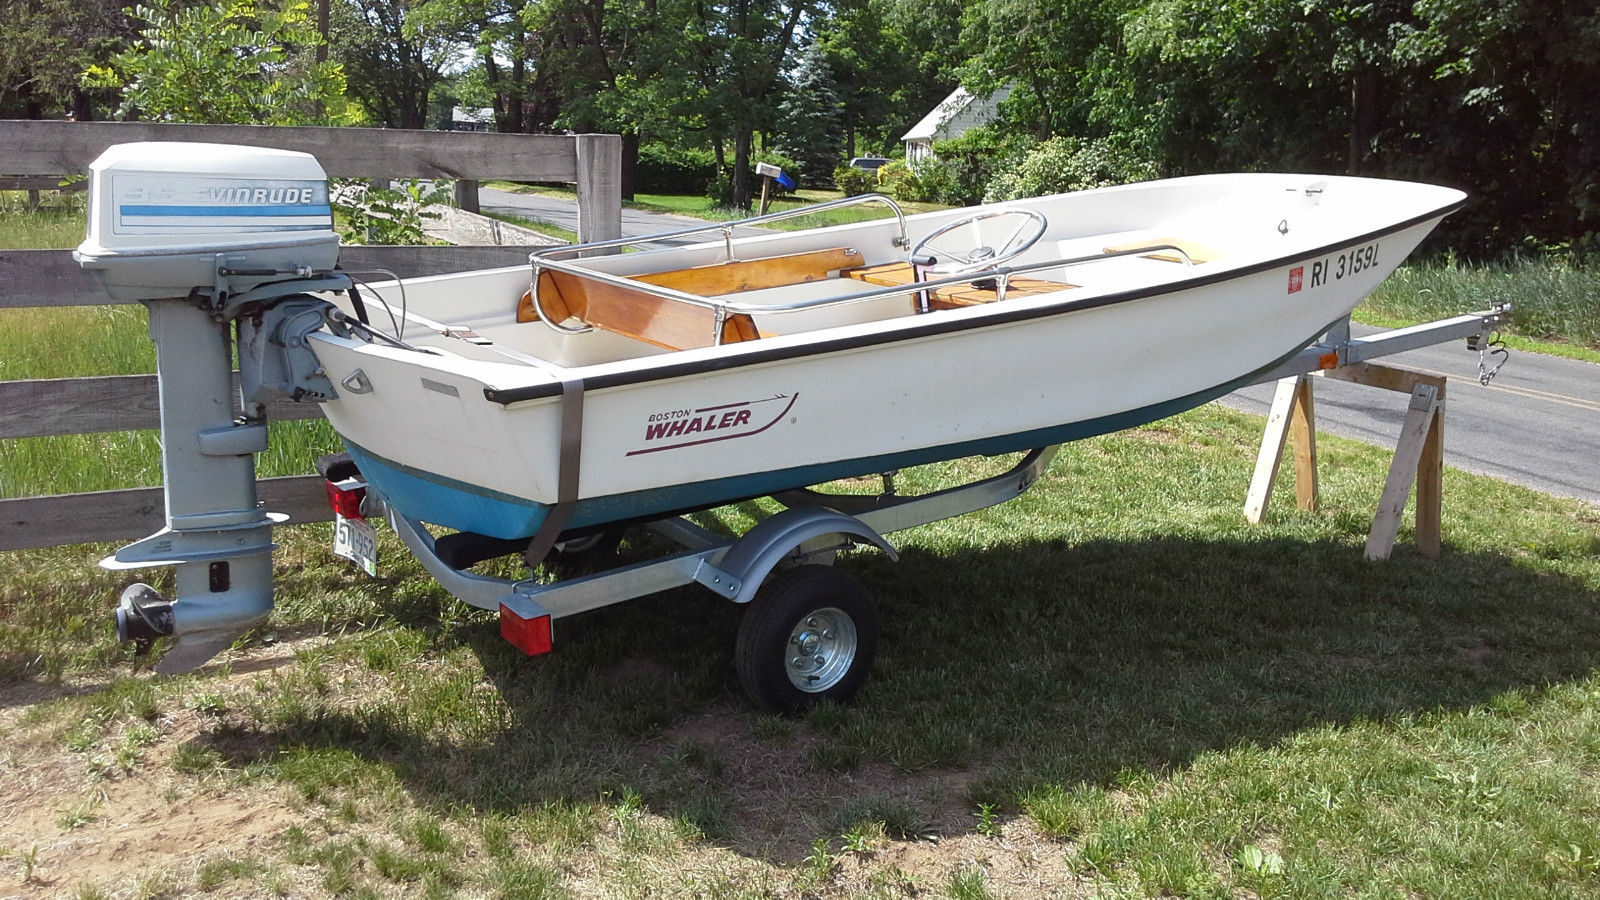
column 1112, row 686
column 59, row 222
column 539, row 225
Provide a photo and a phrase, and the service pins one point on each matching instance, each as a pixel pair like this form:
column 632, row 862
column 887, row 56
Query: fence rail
column 35, row 152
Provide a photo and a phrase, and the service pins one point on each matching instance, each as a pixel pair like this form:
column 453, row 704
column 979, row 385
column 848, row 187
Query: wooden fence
column 31, row 278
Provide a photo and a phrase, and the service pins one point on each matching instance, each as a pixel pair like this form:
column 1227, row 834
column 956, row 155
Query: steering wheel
column 981, row 256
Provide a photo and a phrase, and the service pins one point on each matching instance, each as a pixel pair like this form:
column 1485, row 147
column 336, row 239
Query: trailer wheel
column 809, row 635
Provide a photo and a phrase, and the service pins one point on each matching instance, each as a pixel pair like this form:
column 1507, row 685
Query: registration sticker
column 357, row 541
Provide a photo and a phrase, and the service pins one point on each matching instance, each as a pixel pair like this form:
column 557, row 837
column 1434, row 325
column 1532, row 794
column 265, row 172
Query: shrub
column 664, row 169
column 891, row 173
column 388, row 215
column 855, row 182
column 970, row 162
column 930, row 182
column 1068, row 164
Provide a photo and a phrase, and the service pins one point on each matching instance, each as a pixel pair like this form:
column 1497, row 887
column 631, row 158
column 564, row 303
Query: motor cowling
column 167, row 218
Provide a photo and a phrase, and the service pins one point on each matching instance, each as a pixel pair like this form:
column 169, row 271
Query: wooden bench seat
column 669, row 323
column 955, row 296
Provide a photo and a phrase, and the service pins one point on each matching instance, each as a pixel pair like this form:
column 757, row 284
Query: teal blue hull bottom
column 466, row 507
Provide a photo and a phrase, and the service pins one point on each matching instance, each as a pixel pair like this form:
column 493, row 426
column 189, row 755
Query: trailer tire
column 808, row 636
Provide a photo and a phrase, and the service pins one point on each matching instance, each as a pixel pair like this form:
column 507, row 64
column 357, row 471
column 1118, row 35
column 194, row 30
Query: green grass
column 1115, row 657
column 539, row 225
column 57, row 224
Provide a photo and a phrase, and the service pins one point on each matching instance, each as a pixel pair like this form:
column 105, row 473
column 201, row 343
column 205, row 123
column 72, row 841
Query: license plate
column 357, row 541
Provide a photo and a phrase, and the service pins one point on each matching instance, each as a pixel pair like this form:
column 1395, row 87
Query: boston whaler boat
column 532, row 407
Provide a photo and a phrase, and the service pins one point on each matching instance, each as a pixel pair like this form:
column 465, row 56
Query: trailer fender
column 752, row 557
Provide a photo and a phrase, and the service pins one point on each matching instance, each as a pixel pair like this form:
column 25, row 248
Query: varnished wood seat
column 670, row 323
column 956, row 296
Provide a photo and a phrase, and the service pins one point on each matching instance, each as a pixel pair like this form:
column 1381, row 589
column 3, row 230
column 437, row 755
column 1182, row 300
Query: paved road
column 564, row 213
column 1537, row 424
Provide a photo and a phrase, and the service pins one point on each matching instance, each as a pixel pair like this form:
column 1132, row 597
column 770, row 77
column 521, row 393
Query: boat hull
column 696, row 428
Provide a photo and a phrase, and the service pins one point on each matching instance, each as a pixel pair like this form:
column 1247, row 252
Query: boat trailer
column 809, row 634
column 810, row 630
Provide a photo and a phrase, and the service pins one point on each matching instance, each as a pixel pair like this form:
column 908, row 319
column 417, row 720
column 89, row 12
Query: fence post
column 599, row 187
column 466, row 195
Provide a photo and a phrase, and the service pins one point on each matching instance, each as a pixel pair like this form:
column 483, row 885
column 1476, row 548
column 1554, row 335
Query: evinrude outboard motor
column 206, row 235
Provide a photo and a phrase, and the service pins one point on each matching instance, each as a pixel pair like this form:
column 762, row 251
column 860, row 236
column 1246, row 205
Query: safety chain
column 1487, row 347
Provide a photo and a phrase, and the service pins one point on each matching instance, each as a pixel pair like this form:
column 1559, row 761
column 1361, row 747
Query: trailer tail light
column 530, row 635
column 345, row 497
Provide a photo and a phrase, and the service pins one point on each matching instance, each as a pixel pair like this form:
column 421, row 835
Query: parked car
column 867, row 163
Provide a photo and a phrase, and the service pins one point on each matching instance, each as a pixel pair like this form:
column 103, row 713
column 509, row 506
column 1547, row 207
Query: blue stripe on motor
column 242, row 211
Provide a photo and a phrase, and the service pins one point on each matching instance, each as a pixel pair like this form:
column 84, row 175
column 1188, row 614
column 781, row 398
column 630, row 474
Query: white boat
column 669, row 380
column 554, row 401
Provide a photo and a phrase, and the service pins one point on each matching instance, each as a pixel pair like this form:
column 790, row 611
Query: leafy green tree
column 392, row 63
column 869, row 49
column 233, row 61
column 619, row 66
column 502, row 48
column 1516, row 118
column 46, row 48
column 1056, row 53
column 749, row 43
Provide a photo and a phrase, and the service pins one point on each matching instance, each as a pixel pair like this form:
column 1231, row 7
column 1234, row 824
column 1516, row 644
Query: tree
column 1055, row 53
column 391, row 61
column 868, row 45
column 750, row 43
column 230, row 62
column 48, row 45
column 1517, row 119
column 502, row 47
column 619, row 66
column 812, row 117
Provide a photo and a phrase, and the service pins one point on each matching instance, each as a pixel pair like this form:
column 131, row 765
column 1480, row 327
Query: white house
column 953, row 117
column 467, row 119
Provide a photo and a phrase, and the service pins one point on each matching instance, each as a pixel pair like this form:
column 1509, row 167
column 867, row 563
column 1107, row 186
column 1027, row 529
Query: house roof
column 933, row 124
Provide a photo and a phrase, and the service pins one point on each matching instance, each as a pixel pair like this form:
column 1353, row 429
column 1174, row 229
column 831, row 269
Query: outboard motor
column 206, row 235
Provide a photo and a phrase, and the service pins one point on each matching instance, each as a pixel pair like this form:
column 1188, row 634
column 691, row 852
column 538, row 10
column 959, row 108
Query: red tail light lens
column 345, row 497
column 531, row 636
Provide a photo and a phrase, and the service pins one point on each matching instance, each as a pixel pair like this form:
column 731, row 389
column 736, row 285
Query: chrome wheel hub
column 821, row 649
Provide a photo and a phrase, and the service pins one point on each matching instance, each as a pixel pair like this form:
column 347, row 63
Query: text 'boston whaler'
column 534, row 404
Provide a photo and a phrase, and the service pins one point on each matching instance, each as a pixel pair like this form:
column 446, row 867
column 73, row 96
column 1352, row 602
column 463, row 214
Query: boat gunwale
column 749, row 353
